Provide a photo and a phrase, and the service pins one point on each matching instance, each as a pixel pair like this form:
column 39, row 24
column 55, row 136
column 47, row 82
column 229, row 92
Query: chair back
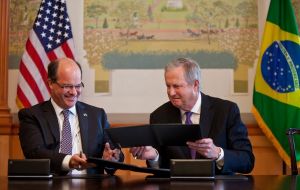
column 290, row 133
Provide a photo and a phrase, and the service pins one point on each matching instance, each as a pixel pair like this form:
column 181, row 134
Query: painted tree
column 247, row 9
column 128, row 13
column 206, row 15
column 237, row 23
column 97, row 40
column 224, row 11
column 227, row 23
column 105, row 23
column 95, row 11
column 150, row 13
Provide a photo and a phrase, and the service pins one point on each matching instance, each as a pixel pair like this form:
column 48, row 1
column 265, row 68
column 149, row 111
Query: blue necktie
column 188, row 121
column 66, row 135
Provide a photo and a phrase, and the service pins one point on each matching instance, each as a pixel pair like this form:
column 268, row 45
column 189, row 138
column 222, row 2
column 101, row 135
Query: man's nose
column 171, row 91
column 73, row 90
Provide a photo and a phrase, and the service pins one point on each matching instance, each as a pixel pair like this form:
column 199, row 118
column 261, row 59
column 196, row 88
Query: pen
column 80, row 155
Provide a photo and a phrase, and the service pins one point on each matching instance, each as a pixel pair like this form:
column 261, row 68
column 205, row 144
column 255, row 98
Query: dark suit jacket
column 219, row 120
column 40, row 137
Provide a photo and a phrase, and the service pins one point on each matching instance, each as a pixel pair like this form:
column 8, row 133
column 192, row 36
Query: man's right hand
column 78, row 161
column 144, row 152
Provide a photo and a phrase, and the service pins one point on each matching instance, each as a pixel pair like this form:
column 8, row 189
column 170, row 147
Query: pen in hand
column 80, row 155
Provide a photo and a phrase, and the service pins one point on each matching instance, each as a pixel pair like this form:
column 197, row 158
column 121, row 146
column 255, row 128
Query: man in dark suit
column 67, row 140
column 224, row 136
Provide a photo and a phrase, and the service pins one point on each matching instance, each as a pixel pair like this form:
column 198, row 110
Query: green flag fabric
column 276, row 95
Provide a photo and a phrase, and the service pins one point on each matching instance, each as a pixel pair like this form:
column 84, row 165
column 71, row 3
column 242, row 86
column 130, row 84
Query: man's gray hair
column 190, row 66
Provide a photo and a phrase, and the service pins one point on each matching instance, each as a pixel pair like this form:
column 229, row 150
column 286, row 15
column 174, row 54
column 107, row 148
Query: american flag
column 50, row 38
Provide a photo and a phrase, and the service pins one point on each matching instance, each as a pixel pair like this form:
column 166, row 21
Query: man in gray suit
column 63, row 129
column 225, row 137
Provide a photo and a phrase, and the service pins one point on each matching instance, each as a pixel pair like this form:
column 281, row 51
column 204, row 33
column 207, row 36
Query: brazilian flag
column 276, row 95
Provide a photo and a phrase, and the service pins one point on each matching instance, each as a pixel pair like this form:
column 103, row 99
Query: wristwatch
column 220, row 154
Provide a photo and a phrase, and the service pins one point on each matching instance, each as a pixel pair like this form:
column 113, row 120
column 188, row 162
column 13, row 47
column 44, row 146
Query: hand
column 205, row 147
column 78, row 161
column 109, row 154
column 144, row 152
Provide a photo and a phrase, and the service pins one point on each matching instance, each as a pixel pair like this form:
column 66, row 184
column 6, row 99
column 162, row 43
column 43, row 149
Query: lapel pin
column 85, row 115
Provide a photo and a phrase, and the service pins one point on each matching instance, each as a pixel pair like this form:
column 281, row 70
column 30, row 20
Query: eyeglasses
column 67, row 87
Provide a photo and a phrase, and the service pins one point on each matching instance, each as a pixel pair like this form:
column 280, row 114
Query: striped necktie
column 188, row 121
column 66, row 135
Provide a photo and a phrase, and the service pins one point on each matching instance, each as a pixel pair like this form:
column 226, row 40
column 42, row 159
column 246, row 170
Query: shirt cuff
column 220, row 159
column 65, row 164
column 154, row 163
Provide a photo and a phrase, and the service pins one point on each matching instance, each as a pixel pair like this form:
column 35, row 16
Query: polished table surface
column 263, row 182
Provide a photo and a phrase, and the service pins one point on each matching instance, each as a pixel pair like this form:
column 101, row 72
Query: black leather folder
column 154, row 135
column 123, row 166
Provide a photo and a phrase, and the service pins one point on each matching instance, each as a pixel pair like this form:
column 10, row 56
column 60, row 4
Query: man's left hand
column 109, row 154
column 205, row 147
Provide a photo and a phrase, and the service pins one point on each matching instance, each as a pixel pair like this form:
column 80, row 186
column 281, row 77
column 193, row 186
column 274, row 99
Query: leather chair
column 290, row 133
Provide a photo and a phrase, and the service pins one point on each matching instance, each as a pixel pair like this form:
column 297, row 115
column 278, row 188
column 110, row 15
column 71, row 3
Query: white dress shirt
column 195, row 117
column 76, row 137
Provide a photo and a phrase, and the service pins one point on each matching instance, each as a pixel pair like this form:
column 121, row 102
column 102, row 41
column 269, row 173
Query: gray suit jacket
column 40, row 137
column 219, row 120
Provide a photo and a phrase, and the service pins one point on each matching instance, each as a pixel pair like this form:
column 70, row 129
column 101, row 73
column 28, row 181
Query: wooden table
column 263, row 182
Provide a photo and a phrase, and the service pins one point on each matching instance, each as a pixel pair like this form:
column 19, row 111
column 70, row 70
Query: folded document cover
column 154, row 135
column 122, row 166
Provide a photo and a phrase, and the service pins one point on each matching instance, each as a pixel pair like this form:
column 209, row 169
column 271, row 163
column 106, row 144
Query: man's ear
column 197, row 85
column 50, row 83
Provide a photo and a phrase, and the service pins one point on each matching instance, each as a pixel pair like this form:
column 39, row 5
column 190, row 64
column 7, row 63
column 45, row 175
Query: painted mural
column 147, row 34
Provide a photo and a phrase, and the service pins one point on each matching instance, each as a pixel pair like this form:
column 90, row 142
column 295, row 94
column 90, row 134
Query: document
column 154, row 135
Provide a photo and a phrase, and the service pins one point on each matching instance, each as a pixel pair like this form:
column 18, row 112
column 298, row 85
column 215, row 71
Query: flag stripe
column 34, row 73
column 59, row 52
column 71, row 47
column 36, row 60
column 35, row 67
column 52, row 55
column 24, row 86
column 39, row 49
column 22, row 100
column 30, row 80
column 66, row 48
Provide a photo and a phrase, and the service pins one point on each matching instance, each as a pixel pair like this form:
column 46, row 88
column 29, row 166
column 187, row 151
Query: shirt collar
column 58, row 109
column 197, row 107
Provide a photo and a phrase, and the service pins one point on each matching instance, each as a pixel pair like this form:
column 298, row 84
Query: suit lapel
column 206, row 115
column 52, row 122
column 83, row 125
column 175, row 117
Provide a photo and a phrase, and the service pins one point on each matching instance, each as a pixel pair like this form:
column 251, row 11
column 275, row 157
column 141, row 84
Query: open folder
column 122, row 166
column 154, row 135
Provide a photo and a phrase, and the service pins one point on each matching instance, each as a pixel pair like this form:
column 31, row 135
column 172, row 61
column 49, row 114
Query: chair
column 290, row 133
